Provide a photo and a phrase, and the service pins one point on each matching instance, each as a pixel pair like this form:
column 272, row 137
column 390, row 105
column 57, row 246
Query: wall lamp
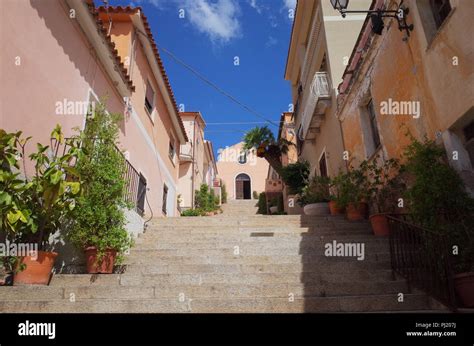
column 377, row 16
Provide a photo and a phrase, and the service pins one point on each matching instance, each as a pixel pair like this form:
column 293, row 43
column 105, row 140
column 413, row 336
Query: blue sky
column 208, row 38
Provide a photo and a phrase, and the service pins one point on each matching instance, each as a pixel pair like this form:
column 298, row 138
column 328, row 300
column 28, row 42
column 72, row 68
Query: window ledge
column 375, row 153
column 435, row 37
column 149, row 114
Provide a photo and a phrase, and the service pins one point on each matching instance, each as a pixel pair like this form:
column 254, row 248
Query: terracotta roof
column 111, row 45
column 134, row 10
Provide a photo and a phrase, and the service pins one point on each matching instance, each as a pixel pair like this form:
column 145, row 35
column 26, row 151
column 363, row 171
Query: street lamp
column 377, row 16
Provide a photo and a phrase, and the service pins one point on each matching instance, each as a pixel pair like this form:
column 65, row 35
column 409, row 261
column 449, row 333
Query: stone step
column 243, row 251
column 359, row 303
column 157, row 259
column 247, row 247
column 258, row 239
column 173, row 268
column 255, row 233
column 192, row 222
column 376, row 275
column 31, row 293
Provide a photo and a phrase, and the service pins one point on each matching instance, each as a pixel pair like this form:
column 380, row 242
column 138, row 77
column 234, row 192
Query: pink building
column 197, row 163
column 65, row 55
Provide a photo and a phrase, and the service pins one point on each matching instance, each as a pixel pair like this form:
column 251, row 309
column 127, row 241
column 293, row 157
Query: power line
column 225, row 131
column 223, row 92
column 238, row 123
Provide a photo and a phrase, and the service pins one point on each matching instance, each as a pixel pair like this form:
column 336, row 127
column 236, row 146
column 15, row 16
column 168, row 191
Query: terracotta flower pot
column 356, row 212
column 379, row 224
column 106, row 266
column 316, row 209
column 464, row 287
column 334, row 209
column 38, row 269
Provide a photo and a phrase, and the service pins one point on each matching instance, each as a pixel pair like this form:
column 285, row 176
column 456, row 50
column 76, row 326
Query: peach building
column 197, row 163
column 431, row 71
column 241, row 171
column 320, row 46
column 67, row 54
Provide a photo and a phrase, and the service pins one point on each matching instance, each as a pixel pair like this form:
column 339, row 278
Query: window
column 369, row 129
column 165, row 198
column 171, row 150
column 441, row 10
column 469, row 137
column 323, row 170
column 141, row 194
column 149, row 97
column 243, row 158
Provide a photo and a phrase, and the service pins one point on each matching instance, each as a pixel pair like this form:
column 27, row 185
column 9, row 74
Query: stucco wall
column 419, row 70
column 228, row 168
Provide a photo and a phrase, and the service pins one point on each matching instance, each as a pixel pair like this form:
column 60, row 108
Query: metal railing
column 135, row 188
column 422, row 257
column 319, row 89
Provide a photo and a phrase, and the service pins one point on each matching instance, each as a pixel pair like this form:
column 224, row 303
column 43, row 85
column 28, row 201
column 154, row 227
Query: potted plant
column 336, row 204
column 439, row 202
column 98, row 226
column 315, row 196
column 354, row 191
column 386, row 188
column 33, row 209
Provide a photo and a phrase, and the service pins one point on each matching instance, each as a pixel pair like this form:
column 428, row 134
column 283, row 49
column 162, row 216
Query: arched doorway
column 243, row 189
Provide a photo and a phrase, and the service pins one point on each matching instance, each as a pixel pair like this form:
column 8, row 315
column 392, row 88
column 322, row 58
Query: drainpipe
column 192, row 173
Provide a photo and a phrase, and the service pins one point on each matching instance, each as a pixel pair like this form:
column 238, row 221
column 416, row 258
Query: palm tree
column 262, row 139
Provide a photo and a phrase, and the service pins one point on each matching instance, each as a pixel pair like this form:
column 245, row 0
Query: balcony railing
column 422, row 257
column 186, row 152
column 319, row 89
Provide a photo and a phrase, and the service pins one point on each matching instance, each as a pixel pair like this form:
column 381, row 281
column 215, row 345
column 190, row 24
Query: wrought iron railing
column 422, row 257
column 136, row 186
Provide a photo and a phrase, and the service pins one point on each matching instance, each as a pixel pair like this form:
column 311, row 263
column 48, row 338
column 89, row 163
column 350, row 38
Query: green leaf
column 56, row 177
column 75, row 187
column 14, row 216
column 5, row 198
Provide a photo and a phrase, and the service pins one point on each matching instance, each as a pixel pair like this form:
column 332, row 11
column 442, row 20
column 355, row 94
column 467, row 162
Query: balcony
column 273, row 185
column 186, row 152
column 315, row 105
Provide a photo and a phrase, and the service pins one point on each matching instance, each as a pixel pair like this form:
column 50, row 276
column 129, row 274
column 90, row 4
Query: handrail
column 422, row 257
column 132, row 177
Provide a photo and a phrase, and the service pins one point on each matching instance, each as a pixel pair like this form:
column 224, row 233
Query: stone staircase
column 234, row 262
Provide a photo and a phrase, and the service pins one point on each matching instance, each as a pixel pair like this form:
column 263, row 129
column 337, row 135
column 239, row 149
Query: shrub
column 316, row 191
column 295, row 175
column 205, row 199
column 262, row 203
column 255, row 195
column 99, row 218
column 223, row 193
column 438, row 201
column 191, row 212
column 34, row 208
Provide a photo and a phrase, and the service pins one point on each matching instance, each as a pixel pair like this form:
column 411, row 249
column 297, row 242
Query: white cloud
column 219, row 20
column 271, row 41
column 255, row 6
column 290, row 4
